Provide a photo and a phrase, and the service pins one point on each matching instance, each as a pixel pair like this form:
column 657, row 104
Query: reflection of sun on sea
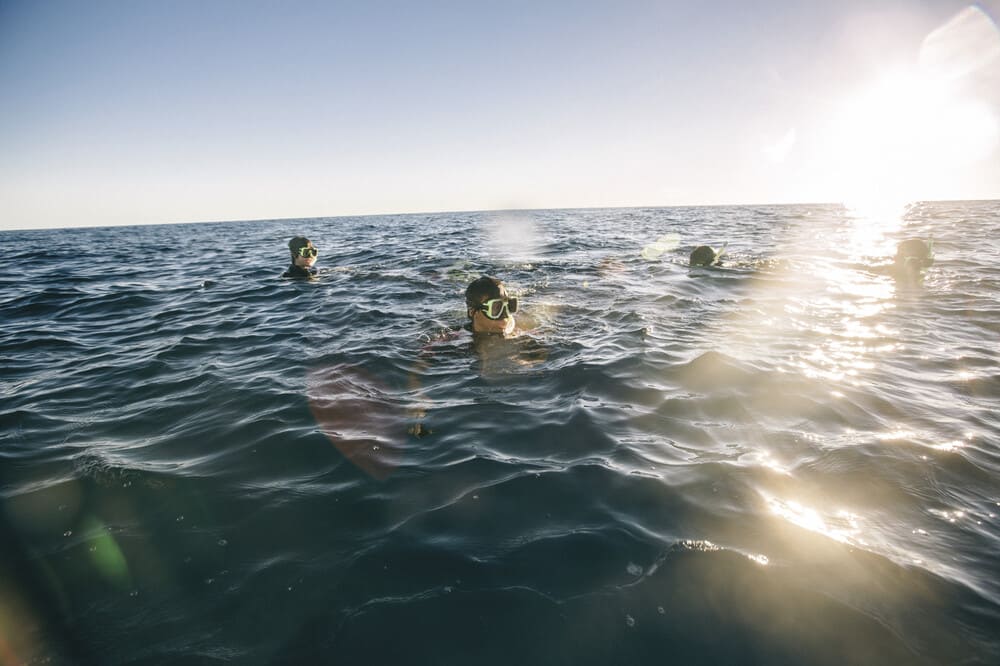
column 874, row 224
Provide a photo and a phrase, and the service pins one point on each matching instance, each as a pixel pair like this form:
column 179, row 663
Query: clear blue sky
column 137, row 112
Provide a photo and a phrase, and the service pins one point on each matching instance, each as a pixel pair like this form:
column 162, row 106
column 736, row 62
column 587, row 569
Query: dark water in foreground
column 791, row 459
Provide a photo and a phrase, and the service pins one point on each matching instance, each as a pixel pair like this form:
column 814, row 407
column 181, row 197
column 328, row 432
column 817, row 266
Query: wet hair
column 296, row 244
column 483, row 289
column 703, row 255
column 914, row 252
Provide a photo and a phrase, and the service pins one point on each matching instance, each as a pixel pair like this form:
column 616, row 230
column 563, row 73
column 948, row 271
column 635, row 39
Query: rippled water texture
column 791, row 458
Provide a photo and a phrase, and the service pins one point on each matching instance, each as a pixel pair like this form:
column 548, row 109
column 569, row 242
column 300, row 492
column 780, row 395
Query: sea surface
column 791, row 458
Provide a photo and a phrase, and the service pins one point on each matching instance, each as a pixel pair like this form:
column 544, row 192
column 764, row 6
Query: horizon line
column 456, row 212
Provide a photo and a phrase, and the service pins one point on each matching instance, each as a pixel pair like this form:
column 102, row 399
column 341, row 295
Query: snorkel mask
column 495, row 307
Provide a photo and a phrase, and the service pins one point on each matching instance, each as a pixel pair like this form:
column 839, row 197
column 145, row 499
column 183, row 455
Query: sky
column 138, row 112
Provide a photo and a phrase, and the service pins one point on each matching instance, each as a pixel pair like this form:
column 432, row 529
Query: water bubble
column 222, row 542
column 634, row 569
column 180, row 518
column 629, row 620
column 661, row 610
column 68, row 533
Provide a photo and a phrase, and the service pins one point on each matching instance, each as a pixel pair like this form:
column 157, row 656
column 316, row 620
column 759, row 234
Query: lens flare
column 514, row 238
column 106, row 555
column 665, row 243
column 353, row 409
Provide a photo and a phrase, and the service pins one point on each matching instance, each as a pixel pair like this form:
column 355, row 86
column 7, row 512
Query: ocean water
column 792, row 458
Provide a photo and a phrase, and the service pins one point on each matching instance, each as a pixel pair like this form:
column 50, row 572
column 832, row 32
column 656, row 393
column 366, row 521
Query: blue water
column 792, row 458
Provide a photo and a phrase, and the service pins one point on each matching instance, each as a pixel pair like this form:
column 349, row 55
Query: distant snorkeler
column 303, row 257
column 913, row 255
column 491, row 310
column 706, row 255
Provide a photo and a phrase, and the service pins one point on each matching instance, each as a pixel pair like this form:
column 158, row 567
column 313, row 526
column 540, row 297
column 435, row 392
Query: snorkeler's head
column 482, row 289
column 297, row 244
column 489, row 307
column 703, row 255
column 914, row 254
column 303, row 251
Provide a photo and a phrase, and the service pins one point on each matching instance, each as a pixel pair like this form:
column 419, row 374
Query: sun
column 904, row 138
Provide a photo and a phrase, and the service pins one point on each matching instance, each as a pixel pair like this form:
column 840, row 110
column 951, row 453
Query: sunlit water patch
column 787, row 457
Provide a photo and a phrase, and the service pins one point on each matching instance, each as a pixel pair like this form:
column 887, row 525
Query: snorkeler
column 912, row 257
column 705, row 255
column 490, row 310
column 303, row 257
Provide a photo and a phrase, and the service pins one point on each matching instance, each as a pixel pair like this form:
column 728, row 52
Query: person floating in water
column 912, row 257
column 491, row 310
column 303, row 257
column 491, row 320
column 705, row 255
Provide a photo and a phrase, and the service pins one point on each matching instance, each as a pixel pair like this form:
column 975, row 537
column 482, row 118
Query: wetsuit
column 299, row 272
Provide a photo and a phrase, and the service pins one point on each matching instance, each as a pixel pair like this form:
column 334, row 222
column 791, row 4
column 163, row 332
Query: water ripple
column 792, row 449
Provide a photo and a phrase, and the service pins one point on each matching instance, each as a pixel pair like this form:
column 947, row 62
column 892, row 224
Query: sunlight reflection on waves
column 845, row 333
column 670, row 429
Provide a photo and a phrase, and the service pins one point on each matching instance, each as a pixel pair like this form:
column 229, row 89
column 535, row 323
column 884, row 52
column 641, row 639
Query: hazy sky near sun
column 137, row 112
